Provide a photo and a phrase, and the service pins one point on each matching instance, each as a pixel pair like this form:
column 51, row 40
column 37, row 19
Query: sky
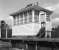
column 9, row 6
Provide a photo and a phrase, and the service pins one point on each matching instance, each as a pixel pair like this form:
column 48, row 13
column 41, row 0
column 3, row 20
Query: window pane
column 36, row 18
column 30, row 12
column 30, row 18
column 37, row 13
column 25, row 20
column 42, row 18
column 14, row 21
column 48, row 18
column 25, row 17
column 21, row 18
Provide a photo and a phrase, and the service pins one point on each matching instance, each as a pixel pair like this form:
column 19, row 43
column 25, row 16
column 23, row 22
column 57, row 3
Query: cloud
column 9, row 20
column 55, row 15
column 53, row 7
column 50, row 8
column 55, row 22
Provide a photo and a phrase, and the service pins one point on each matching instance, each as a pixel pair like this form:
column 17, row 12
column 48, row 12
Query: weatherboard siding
column 26, row 29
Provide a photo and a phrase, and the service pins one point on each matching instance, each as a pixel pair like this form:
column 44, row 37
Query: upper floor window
column 42, row 16
column 30, row 16
column 21, row 18
column 25, row 17
column 36, row 12
column 16, row 20
column 36, row 16
column 47, row 18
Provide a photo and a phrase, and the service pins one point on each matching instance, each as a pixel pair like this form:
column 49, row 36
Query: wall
column 26, row 29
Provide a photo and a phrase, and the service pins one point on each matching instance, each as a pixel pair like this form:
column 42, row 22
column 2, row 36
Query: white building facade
column 27, row 22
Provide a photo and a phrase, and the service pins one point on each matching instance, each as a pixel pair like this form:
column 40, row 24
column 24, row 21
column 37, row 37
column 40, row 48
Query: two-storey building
column 29, row 20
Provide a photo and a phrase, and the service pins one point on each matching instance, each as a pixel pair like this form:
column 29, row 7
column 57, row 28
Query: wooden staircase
column 41, row 33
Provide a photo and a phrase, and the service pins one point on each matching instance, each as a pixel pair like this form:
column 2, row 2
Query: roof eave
column 31, row 8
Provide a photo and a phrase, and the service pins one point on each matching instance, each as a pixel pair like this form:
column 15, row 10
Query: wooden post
column 39, row 18
column 33, row 13
column 0, row 30
column 36, row 45
column 26, row 46
column 45, row 16
column 6, row 32
column 52, row 48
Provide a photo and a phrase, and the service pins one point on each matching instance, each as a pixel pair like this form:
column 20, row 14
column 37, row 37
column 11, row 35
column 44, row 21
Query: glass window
column 42, row 17
column 25, row 17
column 37, row 13
column 48, row 18
column 30, row 12
column 36, row 17
column 21, row 18
column 30, row 16
column 18, row 19
column 14, row 21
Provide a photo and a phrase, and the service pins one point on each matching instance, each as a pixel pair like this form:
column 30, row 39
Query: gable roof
column 35, row 7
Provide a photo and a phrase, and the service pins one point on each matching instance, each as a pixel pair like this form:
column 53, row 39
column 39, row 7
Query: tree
column 55, row 32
